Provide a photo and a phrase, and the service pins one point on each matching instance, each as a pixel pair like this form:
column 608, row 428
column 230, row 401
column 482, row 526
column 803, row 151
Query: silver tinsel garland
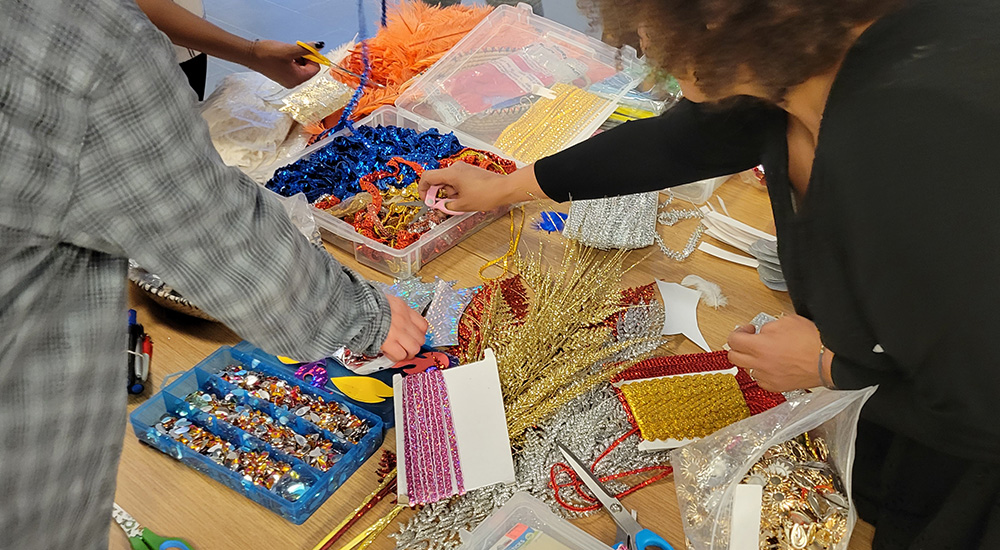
column 625, row 222
column 587, row 425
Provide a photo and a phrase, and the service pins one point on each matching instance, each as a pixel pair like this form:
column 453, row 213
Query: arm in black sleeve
column 690, row 142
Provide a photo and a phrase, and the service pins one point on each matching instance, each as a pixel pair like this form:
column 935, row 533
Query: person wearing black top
column 878, row 126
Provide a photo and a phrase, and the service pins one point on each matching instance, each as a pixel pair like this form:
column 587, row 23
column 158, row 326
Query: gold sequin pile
column 550, row 124
column 327, row 415
column 803, row 504
column 316, row 99
column 685, row 407
column 312, row 448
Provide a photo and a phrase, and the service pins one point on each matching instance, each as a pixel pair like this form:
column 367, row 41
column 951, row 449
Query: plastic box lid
column 514, row 61
column 524, row 509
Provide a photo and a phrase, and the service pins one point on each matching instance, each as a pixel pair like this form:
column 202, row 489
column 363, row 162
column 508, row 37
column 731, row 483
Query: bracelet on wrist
column 251, row 50
column 828, row 384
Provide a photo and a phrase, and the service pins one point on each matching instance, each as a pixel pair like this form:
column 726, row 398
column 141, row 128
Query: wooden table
column 172, row 499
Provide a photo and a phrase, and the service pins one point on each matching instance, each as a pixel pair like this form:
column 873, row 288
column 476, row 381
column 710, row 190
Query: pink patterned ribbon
column 433, row 466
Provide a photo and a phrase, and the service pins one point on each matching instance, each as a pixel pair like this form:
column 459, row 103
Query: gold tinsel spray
column 562, row 347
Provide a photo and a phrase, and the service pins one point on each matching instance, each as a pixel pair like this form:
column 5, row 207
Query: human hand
column 281, row 62
column 783, row 356
column 407, row 331
column 470, row 188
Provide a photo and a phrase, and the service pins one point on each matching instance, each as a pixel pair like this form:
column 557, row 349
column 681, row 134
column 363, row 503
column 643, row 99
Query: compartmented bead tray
column 252, row 426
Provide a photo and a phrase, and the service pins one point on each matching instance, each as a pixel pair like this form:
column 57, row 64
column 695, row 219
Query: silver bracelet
column 819, row 366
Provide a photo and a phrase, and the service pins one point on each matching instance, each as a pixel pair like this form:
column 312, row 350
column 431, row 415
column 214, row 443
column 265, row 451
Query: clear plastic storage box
column 497, row 77
column 318, row 485
column 522, row 517
column 512, row 67
column 401, row 263
column 699, row 192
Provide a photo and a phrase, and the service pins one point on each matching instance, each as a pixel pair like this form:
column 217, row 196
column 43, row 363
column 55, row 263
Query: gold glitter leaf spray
column 563, row 345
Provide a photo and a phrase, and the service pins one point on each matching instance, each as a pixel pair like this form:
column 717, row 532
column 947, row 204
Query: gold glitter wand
column 385, row 487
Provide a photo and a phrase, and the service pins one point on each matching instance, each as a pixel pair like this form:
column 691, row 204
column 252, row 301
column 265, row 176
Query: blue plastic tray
column 320, row 485
column 381, row 406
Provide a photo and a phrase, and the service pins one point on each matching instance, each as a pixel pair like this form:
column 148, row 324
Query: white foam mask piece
column 744, row 532
column 681, row 305
column 713, row 250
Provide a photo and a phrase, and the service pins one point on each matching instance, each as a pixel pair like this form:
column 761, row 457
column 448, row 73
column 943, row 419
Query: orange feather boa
column 416, row 36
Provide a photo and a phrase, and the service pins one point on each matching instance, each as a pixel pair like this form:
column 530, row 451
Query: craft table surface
column 173, row 499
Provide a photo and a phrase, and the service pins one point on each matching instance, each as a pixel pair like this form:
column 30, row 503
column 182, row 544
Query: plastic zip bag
column 246, row 130
column 302, row 218
column 709, row 470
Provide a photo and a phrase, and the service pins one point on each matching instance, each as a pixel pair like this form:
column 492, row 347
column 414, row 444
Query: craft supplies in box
column 251, row 425
column 415, row 36
column 527, row 523
column 363, row 187
column 527, row 85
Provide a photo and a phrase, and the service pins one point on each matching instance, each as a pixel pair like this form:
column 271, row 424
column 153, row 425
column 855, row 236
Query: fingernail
column 320, row 44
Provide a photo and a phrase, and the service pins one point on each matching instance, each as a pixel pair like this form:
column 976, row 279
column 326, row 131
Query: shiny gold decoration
column 685, row 407
column 349, row 207
column 315, row 100
column 503, row 262
column 799, row 505
column 396, row 216
column 560, row 349
column 543, row 130
column 367, row 537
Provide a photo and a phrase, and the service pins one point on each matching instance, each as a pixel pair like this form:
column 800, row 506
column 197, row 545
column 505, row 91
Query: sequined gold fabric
column 685, row 407
column 316, row 99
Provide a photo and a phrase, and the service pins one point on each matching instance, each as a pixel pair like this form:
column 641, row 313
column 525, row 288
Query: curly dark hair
column 776, row 43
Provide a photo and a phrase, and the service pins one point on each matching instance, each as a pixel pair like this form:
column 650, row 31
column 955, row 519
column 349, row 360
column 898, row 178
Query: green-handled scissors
column 143, row 539
column 631, row 535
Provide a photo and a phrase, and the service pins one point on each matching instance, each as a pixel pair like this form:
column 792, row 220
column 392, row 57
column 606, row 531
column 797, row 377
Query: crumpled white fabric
column 247, row 131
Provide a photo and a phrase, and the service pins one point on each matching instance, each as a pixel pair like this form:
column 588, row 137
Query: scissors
column 317, row 57
column 141, row 538
column 420, row 206
column 632, row 535
column 432, row 201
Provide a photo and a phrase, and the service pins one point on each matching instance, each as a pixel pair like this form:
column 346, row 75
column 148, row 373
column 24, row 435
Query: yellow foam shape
column 362, row 388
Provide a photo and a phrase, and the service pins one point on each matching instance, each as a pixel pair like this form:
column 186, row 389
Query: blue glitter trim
column 336, row 168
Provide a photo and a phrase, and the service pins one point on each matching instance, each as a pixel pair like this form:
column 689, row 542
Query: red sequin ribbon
column 368, row 223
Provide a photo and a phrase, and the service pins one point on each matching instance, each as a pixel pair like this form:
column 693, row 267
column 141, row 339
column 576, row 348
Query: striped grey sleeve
column 152, row 186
